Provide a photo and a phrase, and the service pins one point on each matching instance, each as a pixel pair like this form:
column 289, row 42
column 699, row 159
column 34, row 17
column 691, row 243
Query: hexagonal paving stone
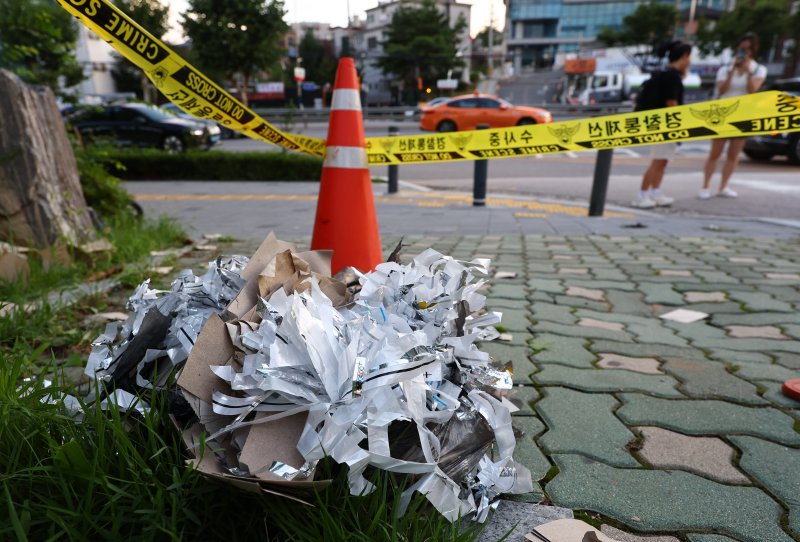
column 704, row 297
column 659, row 501
column 640, row 365
column 749, row 332
column 708, row 456
column 710, row 538
column 764, row 371
column 608, row 381
column 622, row 536
column 776, row 467
column 523, row 397
column 584, row 423
column 701, row 417
column 710, row 380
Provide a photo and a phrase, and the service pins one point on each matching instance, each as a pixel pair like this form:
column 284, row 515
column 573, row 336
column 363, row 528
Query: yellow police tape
column 179, row 81
column 193, row 92
column 753, row 114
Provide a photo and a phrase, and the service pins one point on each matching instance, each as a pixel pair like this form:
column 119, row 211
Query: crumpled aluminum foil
column 162, row 327
column 392, row 381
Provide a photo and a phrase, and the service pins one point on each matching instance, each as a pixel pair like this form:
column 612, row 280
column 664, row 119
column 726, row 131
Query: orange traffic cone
column 346, row 222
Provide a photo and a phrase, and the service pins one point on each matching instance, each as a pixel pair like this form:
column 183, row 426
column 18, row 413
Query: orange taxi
column 466, row 112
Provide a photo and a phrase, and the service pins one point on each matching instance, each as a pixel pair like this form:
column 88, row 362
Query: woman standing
column 744, row 76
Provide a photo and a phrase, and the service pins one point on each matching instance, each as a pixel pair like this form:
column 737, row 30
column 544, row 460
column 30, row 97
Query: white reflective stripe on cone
column 346, row 99
column 345, row 157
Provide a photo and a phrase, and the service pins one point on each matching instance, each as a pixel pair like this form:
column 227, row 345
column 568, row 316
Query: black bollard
column 393, row 168
column 602, row 170
column 481, row 173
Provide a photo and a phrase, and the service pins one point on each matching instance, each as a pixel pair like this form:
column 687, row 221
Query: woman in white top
column 744, row 76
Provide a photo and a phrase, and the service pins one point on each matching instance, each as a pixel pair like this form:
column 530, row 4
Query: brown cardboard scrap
column 213, row 347
column 273, row 441
column 568, row 530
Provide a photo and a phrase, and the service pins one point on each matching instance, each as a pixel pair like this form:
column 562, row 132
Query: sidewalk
column 666, row 431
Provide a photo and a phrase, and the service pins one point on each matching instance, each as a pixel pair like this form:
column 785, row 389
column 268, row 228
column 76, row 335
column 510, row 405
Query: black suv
column 141, row 125
column 764, row 147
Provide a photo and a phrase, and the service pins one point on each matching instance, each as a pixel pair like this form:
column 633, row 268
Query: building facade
column 376, row 84
column 537, row 30
column 96, row 58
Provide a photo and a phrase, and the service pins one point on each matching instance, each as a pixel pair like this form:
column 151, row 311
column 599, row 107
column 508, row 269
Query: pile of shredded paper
column 283, row 365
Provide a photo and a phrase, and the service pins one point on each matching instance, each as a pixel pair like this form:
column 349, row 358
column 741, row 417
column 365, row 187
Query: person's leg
column 654, row 175
column 711, row 162
column 732, row 159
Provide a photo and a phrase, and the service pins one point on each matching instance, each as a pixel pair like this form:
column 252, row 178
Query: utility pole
column 491, row 38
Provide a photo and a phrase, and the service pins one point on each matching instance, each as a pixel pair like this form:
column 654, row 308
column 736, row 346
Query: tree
column 236, row 38
column 766, row 18
column 318, row 62
column 650, row 24
column 420, row 43
column 153, row 17
column 37, row 42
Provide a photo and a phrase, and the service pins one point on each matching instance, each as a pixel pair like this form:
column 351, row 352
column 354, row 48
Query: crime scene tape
column 193, row 92
column 178, row 80
column 753, row 114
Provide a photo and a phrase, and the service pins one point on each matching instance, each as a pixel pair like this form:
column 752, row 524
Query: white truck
column 605, row 86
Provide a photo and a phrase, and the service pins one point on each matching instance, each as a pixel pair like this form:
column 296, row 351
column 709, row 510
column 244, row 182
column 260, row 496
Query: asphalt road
column 765, row 189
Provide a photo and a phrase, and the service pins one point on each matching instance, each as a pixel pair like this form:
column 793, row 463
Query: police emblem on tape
column 715, row 114
column 564, row 133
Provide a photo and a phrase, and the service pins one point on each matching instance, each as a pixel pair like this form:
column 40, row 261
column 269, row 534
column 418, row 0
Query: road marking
column 420, row 199
column 768, row 186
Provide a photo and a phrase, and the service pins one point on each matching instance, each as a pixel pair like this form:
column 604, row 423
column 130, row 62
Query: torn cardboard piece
column 567, row 530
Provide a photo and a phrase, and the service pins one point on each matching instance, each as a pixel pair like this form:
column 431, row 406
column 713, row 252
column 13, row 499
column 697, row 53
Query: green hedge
column 198, row 165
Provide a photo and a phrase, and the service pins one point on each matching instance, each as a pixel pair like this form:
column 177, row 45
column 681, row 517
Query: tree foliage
column 649, row 24
column 37, row 42
column 319, row 63
column 153, row 16
column 236, row 38
column 766, row 18
column 421, row 43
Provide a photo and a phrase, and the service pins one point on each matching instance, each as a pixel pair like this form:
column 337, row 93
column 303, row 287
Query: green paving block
column 656, row 332
column 580, row 331
column 526, row 450
column 564, row 350
column 710, row 380
column 539, row 295
column 582, row 302
column 523, row 398
column 784, row 293
column 619, row 317
column 534, row 497
column 792, row 330
column 735, row 356
column 756, row 319
column 791, row 361
column 503, row 352
column 539, row 268
column 601, row 273
column 584, row 423
column 710, row 538
column 757, row 301
column 764, row 371
column 628, row 303
column 515, row 320
column 665, row 501
column 696, row 330
column 505, row 304
column 523, row 371
column 552, row 286
column 552, row 313
column 636, row 350
column 507, row 291
column 604, row 380
column 751, row 345
column 716, row 277
column 774, row 395
column 624, row 285
column 708, row 417
column 660, row 293
column 776, row 467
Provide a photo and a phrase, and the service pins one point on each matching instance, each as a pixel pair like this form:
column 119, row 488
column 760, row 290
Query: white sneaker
column 704, row 193
column 663, row 201
column 728, row 193
column 643, row 202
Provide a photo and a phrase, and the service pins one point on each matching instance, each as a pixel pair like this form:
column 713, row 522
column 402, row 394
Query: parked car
column 764, row 147
column 141, row 125
column 214, row 128
column 466, row 112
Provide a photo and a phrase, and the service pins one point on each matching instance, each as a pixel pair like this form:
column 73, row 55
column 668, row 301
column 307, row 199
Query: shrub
column 102, row 190
column 152, row 164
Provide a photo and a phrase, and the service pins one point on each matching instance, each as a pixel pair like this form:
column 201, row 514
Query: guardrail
column 410, row 113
